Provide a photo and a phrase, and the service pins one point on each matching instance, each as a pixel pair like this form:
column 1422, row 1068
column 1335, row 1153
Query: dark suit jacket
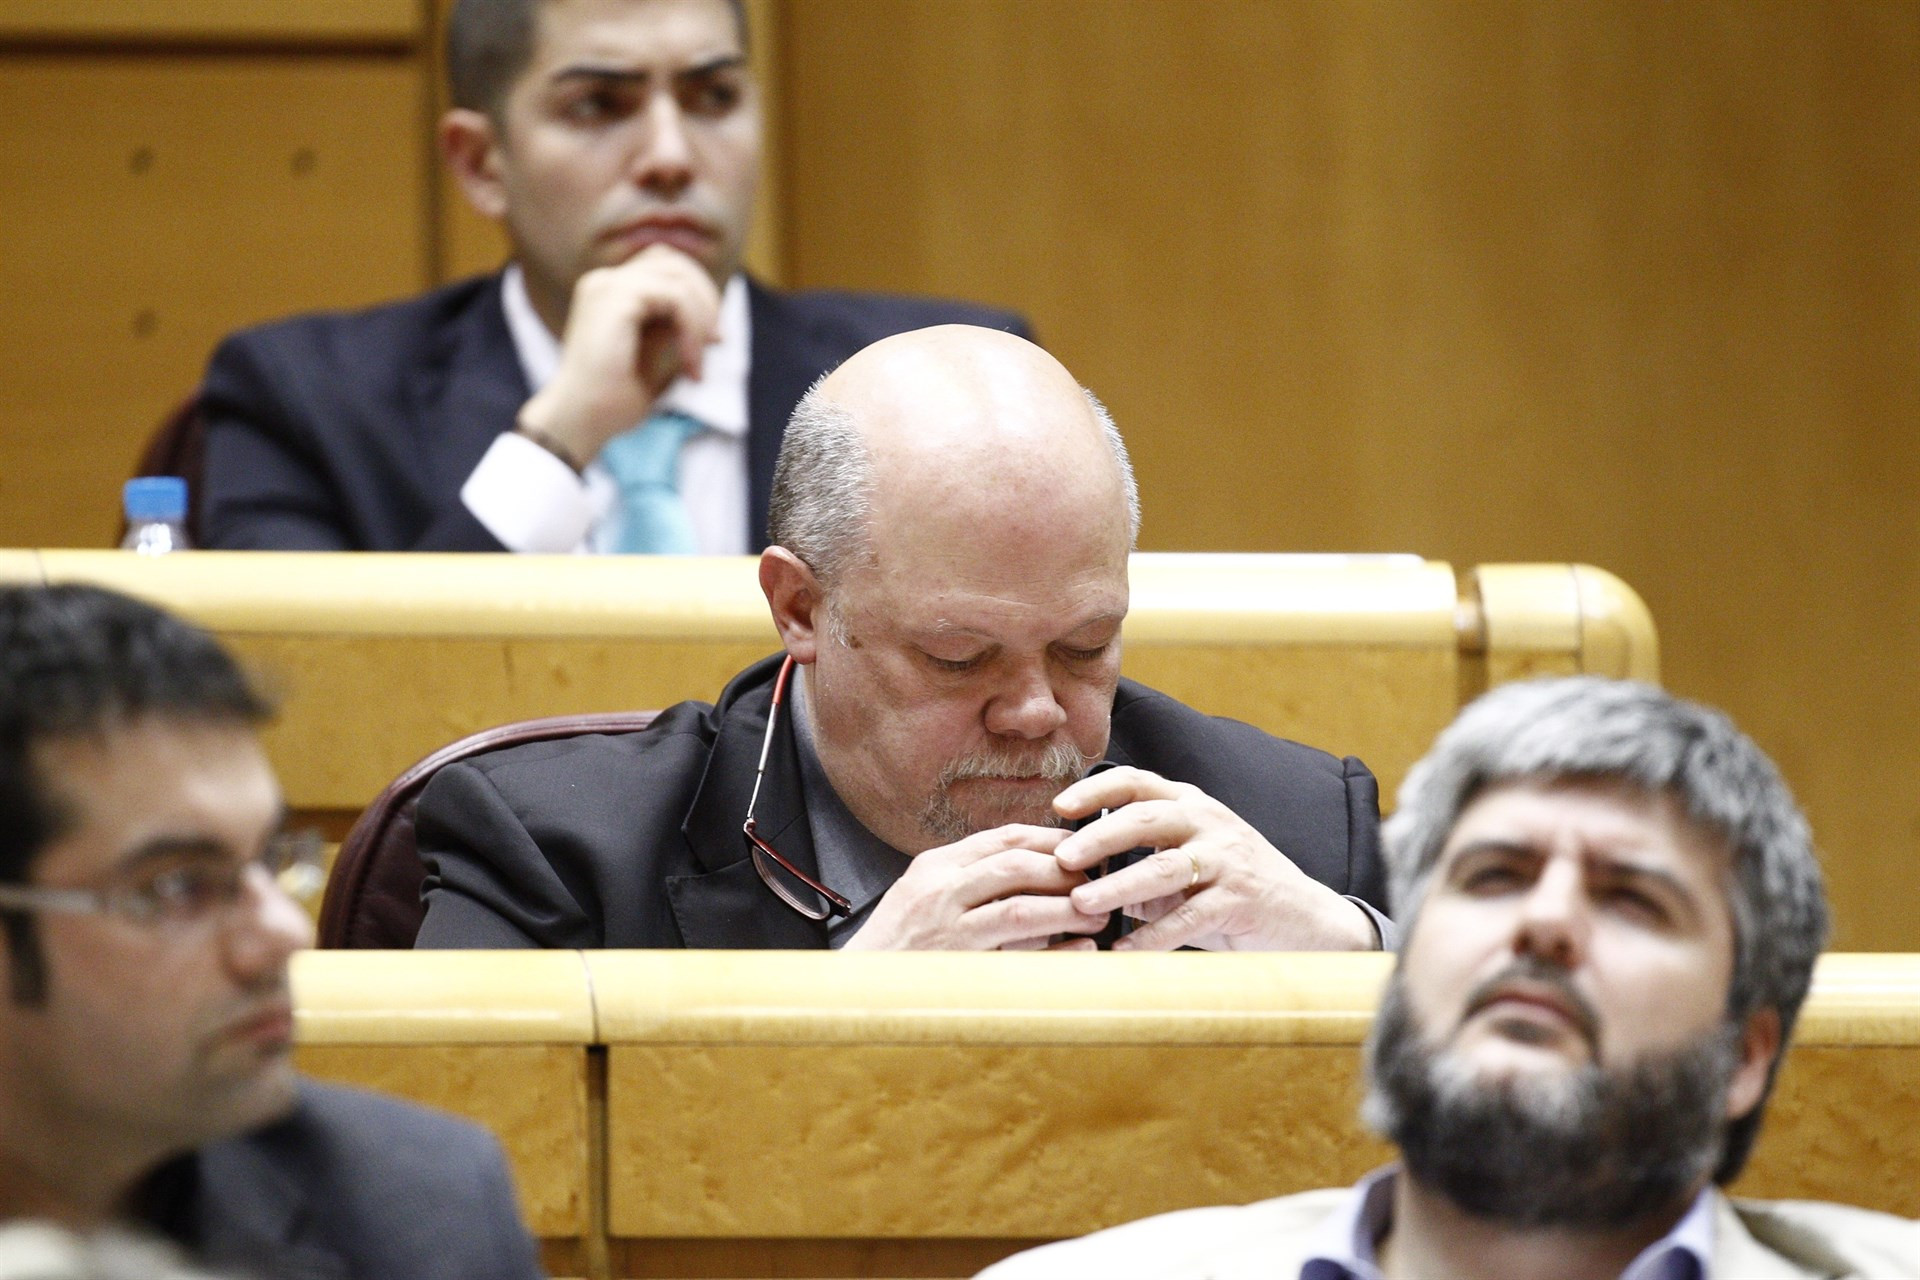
column 354, row 432
column 350, row 1186
column 634, row 840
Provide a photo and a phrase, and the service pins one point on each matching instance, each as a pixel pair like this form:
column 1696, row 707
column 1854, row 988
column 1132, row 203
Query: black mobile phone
column 1119, row 923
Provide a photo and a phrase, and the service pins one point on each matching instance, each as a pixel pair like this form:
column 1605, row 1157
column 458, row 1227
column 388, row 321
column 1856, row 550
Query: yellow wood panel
column 532, row 1097
column 967, row 1096
column 1862, row 998
column 356, row 711
column 994, row 998
column 1382, row 704
column 766, row 52
column 1386, row 601
column 20, row 567
column 920, row 1114
column 153, row 204
column 795, row 1259
column 1598, row 281
column 442, row 997
column 927, row 1095
column 377, row 593
column 1840, row 1127
column 148, row 20
column 380, row 659
column 1616, row 628
column 884, row 1140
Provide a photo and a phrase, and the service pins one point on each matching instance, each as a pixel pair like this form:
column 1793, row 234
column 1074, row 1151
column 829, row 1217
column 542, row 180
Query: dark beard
column 1602, row 1149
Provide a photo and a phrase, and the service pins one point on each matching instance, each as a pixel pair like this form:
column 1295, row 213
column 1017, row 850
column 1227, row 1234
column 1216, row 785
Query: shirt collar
column 1344, row 1246
column 717, row 399
column 1684, row 1252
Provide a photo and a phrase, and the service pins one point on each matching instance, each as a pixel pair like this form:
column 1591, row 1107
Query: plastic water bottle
column 156, row 509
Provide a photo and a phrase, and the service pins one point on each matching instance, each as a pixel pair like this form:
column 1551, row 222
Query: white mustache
column 1059, row 762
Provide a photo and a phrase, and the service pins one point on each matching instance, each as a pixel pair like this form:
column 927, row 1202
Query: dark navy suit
column 350, row 1186
column 355, row 431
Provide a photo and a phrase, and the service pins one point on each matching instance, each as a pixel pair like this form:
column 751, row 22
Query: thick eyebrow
column 630, row 75
column 1607, row 865
column 187, row 846
column 1488, row 845
column 1675, row 887
column 164, row 847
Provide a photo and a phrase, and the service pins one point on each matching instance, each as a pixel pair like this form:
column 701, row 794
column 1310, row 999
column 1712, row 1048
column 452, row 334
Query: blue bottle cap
column 155, row 498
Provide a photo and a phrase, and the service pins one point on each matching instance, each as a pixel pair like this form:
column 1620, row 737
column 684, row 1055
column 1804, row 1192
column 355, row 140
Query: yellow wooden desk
column 925, row 1114
column 502, row 1038
column 814, row 1114
column 380, row 659
column 922, row 1114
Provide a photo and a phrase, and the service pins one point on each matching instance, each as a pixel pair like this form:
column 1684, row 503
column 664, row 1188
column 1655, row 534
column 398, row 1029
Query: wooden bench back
column 381, row 659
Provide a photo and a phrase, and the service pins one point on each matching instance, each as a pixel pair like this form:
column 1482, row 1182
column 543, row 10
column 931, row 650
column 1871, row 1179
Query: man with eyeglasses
column 146, row 1028
column 952, row 517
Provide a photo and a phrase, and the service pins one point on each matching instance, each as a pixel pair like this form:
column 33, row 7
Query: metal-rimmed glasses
column 184, row 890
column 789, row 883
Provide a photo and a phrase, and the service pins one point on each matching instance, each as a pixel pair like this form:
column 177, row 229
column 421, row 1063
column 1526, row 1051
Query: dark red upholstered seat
column 373, row 893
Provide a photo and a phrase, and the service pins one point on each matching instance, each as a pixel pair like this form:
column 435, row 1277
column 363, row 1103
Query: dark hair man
column 1612, row 914
column 952, row 519
column 145, row 1023
column 621, row 386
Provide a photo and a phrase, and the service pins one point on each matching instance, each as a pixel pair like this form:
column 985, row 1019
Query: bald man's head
column 953, row 422
column 951, row 520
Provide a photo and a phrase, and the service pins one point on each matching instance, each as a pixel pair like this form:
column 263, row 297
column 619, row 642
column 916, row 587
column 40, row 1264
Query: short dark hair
column 1591, row 728
column 81, row 660
column 490, row 43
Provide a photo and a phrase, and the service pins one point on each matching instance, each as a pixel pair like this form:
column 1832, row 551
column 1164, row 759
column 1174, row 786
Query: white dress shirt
column 533, row 502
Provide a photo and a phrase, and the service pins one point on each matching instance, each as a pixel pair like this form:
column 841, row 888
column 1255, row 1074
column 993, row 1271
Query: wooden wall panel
column 149, row 20
column 153, row 204
column 1607, row 281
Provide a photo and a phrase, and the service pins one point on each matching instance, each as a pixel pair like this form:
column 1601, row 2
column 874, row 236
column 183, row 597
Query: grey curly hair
column 1587, row 727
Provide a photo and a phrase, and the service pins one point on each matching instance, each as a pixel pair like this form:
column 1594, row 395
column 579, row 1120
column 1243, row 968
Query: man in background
column 146, row 1028
column 952, row 518
column 1614, row 915
column 621, row 386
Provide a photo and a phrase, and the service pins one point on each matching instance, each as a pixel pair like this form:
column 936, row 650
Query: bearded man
column 1613, row 911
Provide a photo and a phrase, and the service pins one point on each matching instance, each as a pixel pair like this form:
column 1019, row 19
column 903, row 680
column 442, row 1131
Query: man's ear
column 1759, row 1046
column 794, row 596
column 470, row 145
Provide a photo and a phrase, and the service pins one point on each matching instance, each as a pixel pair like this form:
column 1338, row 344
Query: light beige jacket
column 1753, row 1240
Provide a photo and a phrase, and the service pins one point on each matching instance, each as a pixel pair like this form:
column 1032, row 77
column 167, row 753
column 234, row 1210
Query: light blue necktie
column 645, row 463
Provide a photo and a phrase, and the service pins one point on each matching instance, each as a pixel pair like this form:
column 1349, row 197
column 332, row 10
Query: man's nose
column 1554, row 917
column 1027, row 707
column 663, row 161
column 266, row 927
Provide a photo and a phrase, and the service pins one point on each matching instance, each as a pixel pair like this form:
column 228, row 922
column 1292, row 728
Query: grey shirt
column 852, row 861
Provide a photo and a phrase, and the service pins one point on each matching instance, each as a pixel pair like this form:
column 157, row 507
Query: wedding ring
column 1194, row 858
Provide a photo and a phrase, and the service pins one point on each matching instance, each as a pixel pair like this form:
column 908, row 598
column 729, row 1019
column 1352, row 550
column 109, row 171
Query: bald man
column 951, row 520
